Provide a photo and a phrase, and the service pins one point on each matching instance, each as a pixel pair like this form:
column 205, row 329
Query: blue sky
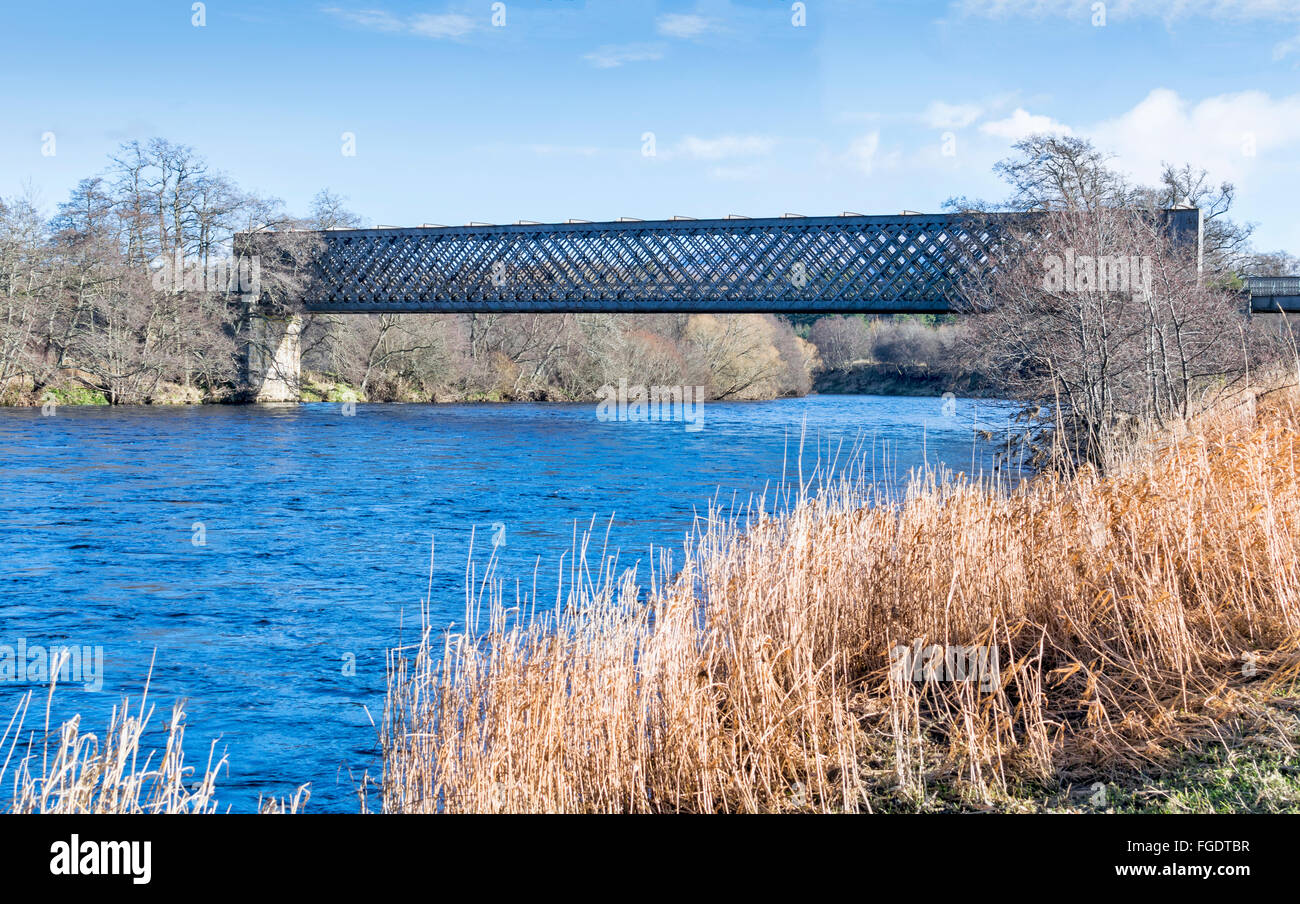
column 546, row 117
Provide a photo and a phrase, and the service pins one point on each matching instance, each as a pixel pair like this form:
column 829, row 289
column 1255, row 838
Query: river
column 266, row 557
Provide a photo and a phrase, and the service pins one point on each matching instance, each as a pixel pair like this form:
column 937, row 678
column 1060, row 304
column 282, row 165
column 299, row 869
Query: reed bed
column 1132, row 615
column 71, row 771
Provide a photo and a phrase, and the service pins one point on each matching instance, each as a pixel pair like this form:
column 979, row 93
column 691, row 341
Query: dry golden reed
column 73, row 772
column 1132, row 614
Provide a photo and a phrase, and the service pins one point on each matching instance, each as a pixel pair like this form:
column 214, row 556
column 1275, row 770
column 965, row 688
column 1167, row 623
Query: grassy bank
column 1145, row 627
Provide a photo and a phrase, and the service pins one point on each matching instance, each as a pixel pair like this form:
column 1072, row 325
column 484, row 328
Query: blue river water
column 264, row 558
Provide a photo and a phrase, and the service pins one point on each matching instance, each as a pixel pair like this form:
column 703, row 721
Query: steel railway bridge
column 908, row 263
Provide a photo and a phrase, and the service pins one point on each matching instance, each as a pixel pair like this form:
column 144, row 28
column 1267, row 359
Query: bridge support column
column 271, row 359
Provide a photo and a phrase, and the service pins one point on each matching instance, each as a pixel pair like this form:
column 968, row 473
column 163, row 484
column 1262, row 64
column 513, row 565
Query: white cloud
column 1225, row 134
column 1285, row 48
column 940, row 115
column 724, row 146
column 609, row 56
column 448, row 25
column 1248, row 138
column 1022, row 124
column 374, row 19
column 426, row 25
column 1268, row 10
column 681, row 25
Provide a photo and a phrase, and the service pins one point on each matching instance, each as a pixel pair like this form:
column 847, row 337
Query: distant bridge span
column 1274, row 294
column 903, row 264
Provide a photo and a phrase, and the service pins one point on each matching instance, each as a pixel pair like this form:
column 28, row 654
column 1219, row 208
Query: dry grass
column 72, row 772
column 1133, row 615
column 297, row 803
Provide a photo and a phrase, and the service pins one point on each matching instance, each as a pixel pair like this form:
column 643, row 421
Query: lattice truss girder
column 905, row 263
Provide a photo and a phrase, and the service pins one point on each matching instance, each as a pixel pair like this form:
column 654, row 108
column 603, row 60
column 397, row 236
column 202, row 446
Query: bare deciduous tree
column 1100, row 317
column 840, row 340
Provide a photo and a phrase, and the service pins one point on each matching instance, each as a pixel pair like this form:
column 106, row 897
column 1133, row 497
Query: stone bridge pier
column 271, row 358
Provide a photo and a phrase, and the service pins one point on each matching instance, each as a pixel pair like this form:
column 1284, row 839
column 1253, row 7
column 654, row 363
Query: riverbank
column 958, row 647
column 862, row 379
column 321, row 388
column 407, row 357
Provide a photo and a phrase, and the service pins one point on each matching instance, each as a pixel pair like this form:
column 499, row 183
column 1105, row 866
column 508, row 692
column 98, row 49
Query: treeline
column 86, row 317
